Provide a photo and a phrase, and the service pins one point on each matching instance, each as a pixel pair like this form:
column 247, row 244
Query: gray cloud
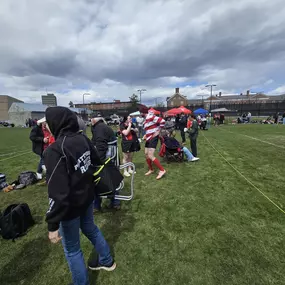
column 237, row 44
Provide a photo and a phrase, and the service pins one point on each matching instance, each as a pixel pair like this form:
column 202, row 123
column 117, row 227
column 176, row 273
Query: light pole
column 211, row 85
column 83, row 95
column 140, row 91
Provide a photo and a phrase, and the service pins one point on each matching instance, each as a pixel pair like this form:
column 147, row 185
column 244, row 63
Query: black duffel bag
column 15, row 221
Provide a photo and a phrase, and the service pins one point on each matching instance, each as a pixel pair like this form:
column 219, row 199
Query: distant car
column 115, row 119
column 7, row 124
column 108, row 120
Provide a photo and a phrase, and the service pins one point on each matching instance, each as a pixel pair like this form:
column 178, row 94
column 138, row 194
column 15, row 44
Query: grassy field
column 202, row 224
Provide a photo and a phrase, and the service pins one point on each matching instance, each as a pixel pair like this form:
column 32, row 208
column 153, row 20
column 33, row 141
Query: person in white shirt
column 140, row 121
column 248, row 117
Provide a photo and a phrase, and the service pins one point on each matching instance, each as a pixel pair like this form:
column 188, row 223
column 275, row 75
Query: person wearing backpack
column 71, row 194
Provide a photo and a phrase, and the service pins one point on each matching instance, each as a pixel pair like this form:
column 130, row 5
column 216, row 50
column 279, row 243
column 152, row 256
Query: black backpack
column 15, row 221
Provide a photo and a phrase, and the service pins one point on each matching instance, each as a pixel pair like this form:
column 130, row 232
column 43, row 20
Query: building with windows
column 49, row 100
column 5, row 104
column 116, row 106
column 176, row 100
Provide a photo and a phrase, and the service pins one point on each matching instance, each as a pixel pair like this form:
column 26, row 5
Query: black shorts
column 152, row 143
column 130, row 146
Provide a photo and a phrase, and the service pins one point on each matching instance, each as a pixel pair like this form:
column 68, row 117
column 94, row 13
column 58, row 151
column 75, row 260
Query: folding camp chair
column 113, row 154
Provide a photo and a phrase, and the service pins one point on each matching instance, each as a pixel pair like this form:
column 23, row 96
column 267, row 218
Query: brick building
column 176, row 100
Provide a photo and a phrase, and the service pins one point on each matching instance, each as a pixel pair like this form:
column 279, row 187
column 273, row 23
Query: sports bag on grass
column 25, row 178
column 15, row 221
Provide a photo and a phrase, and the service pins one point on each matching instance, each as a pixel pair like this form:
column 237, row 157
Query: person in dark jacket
column 182, row 126
column 193, row 134
column 102, row 135
column 39, row 141
column 71, row 194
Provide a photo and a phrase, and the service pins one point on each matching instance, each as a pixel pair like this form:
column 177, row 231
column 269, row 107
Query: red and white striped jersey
column 152, row 124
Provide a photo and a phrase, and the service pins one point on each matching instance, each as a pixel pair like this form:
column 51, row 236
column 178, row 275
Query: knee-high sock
column 149, row 163
column 158, row 165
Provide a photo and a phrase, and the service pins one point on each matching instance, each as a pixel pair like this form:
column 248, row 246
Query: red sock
column 157, row 163
column 149, row 163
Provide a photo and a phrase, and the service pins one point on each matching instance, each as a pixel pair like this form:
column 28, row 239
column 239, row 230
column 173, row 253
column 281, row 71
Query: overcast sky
column 112, row 48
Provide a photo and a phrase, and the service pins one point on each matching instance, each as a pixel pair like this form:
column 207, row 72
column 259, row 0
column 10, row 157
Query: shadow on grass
column 25, row 265
column 118, row 222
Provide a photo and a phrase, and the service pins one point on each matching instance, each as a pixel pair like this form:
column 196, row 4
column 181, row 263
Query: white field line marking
column 253, row 138
column 15, row 152
column 246, row 179
column 7, row 158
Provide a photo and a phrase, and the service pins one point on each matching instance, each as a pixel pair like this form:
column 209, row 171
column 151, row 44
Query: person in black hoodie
column 102, row 136
column 182, row 126
column 71, row 194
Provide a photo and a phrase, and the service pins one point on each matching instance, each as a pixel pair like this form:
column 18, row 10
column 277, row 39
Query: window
column 182, row 102
column 172, row 103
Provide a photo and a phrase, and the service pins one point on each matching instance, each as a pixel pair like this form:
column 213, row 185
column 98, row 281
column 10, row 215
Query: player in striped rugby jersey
column 152, row 127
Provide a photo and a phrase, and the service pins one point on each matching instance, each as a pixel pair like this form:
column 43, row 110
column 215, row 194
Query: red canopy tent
column 173, row 112
column 156, row 112
column 184, row 110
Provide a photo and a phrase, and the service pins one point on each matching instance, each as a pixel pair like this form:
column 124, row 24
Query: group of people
column 66, row 155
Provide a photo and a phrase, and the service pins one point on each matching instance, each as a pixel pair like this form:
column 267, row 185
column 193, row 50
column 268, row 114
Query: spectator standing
column 140, row 121
column 102, row 137
column 40, row 137
column 71, row 193
column 193, row 134
column 248, row 117
column 182, row 126
column 283, row 116
column 130, row 143
column 177, row 122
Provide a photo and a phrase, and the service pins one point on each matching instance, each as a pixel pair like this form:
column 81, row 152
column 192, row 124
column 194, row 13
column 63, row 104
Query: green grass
column 201, row 224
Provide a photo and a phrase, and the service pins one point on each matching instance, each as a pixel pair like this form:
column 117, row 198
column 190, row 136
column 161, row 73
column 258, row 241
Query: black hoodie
column 70, row 185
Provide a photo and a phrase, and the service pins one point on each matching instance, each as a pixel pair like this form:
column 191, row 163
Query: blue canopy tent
column 201, row 111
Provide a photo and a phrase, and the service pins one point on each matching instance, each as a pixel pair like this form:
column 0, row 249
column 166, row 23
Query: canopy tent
column 156, row 112
column 173, row 112
column 135, row 114
column 221, row 110
column 184, row 110
column 201, row 111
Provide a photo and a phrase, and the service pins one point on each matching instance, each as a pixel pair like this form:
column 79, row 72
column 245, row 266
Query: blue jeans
column 40, row 166
column 188, row 154
column 69, row 231
column 283, row 121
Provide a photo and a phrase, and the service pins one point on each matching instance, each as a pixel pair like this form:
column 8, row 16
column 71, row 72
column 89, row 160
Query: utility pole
column 202, row 98
column 207, row 86
column 83, row 95
column 140, row 92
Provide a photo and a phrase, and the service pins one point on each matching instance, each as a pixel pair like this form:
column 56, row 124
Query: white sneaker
column 194, row 159
column 44, row 168
column 131, row 171
column 39, row 176
column 126, row 173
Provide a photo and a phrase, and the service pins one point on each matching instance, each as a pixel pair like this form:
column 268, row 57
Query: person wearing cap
column 102, row 136
column 40, row 137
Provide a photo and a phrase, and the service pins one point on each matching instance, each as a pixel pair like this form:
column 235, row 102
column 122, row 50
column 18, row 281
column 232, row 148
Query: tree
column 71, row 105
column 160, row 104
column 134, row 99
